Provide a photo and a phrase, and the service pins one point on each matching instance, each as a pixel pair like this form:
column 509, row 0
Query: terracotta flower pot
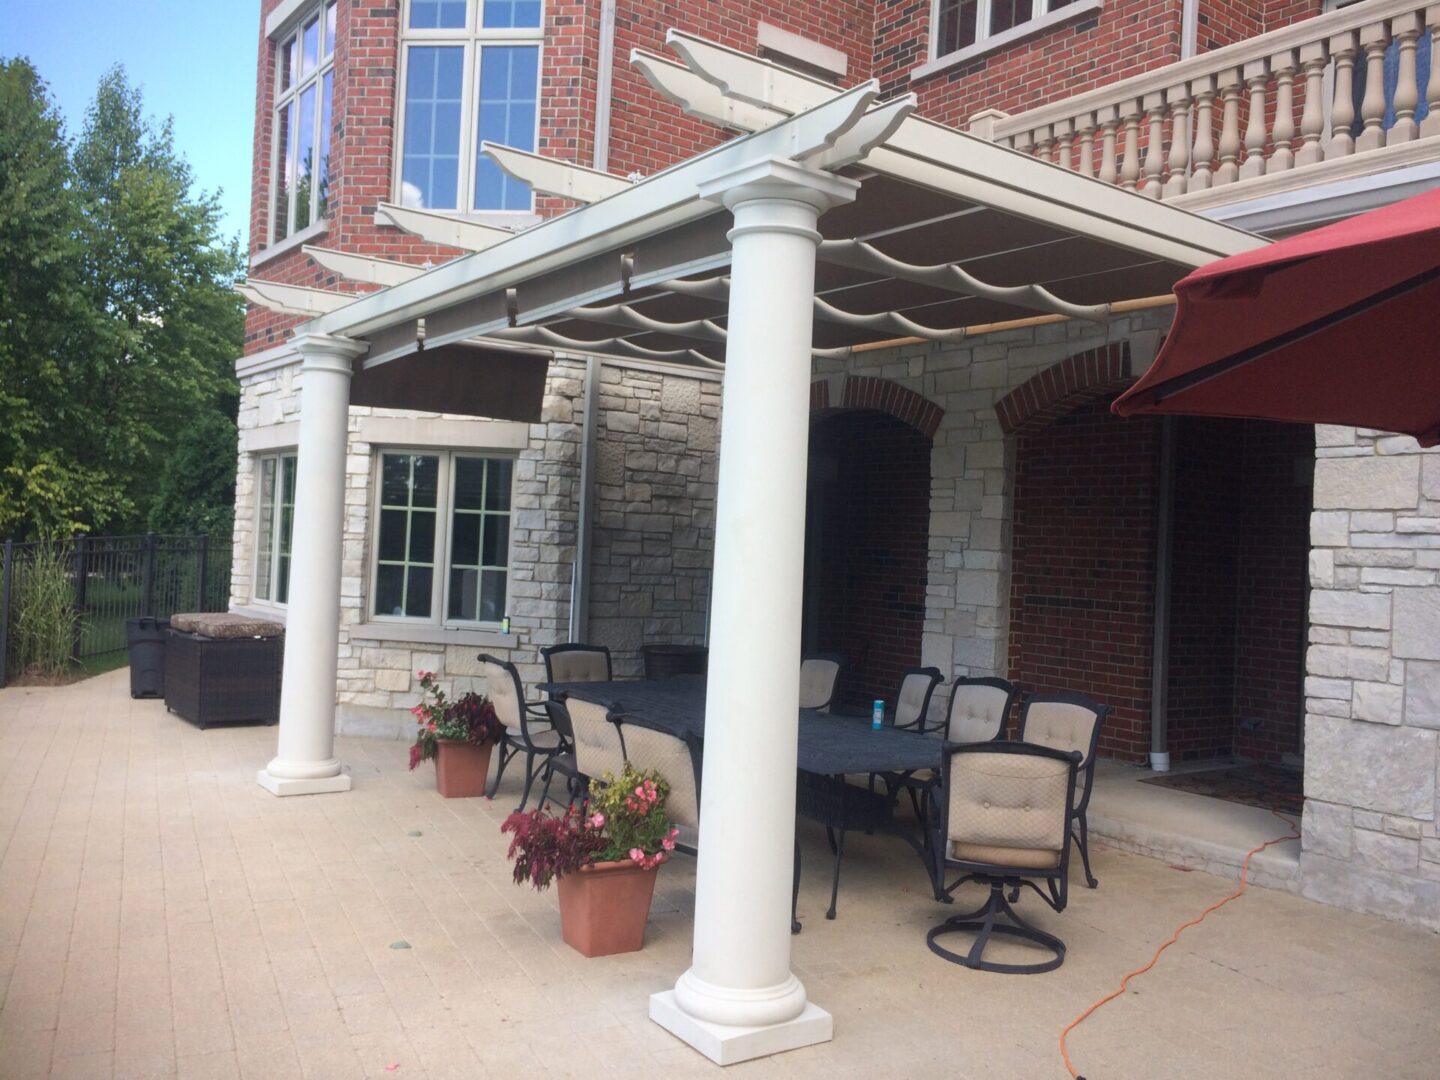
column 461, row 768
column 604, row 907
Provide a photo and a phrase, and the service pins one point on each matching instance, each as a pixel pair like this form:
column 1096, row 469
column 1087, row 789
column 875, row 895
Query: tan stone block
column 392, row 680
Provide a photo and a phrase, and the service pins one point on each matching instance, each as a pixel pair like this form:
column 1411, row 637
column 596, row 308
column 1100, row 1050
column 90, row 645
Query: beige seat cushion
column 578, row 665
column 817, row 682
column 597, row 740
column 647, row 749
column 976, row 713
column 500, row 689
column 1024, row 858
column 1060, row 725
column 222, row 625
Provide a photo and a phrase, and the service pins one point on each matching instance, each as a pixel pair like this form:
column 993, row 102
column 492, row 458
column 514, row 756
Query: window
column 962, row 23
column 274, row 524
column 471, row 73
column 303, row 99
column 442, row 537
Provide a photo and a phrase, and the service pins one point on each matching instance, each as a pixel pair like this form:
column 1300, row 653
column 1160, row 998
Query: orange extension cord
column 1294, row 834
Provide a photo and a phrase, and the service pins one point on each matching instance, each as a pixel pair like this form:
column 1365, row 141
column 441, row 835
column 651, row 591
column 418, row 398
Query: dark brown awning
column 461, row 378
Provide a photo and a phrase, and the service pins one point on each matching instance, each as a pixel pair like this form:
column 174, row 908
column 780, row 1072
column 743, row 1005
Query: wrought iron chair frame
column 575, row 646
column 1087, row 781
column 512, row 745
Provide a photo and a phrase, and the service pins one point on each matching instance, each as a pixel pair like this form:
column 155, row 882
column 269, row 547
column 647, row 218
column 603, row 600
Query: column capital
column 327, row 352
column 779, row 178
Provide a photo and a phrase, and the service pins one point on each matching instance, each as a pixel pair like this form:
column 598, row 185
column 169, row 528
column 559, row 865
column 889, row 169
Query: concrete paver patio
column 161, row 915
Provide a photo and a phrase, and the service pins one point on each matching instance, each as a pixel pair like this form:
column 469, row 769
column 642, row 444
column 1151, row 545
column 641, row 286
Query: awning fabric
column 1334, row 326
column 459, row 378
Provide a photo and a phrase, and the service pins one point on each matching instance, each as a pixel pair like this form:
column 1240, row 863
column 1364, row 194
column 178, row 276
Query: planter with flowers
column 458, row 735
column 603, row 859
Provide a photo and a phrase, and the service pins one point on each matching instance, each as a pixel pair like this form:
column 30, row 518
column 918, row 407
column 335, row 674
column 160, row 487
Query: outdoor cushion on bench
column 223, row 625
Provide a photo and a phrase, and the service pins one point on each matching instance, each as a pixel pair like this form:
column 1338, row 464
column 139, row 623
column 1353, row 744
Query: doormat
column 1270, row 787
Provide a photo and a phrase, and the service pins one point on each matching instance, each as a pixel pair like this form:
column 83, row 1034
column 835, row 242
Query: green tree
column 118, row 321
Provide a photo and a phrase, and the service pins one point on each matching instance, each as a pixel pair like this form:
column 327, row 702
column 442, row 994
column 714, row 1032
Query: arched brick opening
column 881, row 395
column 1064, row 387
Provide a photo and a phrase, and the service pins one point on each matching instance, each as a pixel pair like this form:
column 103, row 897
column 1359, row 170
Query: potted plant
column 458, row 735
column 603, row 858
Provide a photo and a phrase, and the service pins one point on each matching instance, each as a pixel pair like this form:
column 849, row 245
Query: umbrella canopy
column 1336, row 326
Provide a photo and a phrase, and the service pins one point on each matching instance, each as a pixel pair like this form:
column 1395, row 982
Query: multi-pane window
column 274, row 526
column 961, row 23
column 471, row 74
column 304, row 93
column 442, row 543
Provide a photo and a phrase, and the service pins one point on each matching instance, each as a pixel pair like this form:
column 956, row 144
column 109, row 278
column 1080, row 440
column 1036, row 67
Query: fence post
column 147, row 601
column 81, row 571
column 202, row 567
column 7, row 563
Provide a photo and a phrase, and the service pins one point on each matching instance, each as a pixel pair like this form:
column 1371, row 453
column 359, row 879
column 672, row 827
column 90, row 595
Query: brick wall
column 1082, row 582
column 872, row 540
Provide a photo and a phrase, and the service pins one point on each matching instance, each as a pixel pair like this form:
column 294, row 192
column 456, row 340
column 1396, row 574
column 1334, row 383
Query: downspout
column 1189, row 28
column 1164, row 564
column 604, row 85
column 580, row 572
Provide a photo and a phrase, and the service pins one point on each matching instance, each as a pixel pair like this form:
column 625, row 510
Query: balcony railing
column 1362, row 80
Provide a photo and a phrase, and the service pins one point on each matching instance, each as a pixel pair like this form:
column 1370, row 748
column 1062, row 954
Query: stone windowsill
column 996, row 42
column 429, row 634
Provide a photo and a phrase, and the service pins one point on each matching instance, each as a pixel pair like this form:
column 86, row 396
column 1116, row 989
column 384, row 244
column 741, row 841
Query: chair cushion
column 1023, row 858
column 647, row 749
column 223, row 625
column 1060, row 725
column 976, row 713
column 579, row 665
column 817, row 681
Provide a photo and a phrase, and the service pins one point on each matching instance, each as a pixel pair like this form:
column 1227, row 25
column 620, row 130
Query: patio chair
column 573, row 662
column 1005, row 824
column 912, row 713
column 678, row 761
column 596, row 747
column 819, row 675
column 530, row 726
column 1069, row 721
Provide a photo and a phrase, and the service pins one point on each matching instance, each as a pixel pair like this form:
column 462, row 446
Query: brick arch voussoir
column 881, row 395
column 1064, row 387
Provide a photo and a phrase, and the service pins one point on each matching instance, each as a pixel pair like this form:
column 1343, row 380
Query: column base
column 726, row 1045
column 321, row 785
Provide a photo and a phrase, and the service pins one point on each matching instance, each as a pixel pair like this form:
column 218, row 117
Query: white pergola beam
column 364, row 268
column 293, row 299
column 438, row 228
column 551, row 177
column 683, row 88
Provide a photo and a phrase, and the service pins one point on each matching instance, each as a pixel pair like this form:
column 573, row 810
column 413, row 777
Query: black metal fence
column 112, row 579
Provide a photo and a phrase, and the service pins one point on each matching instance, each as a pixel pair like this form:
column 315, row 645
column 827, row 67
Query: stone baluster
column 1431, row 124
column 1106, row 117
column 1178, row 98
column 1373, row 39
column 1282, row 134
column 1064, row 140
column 1313, row 59
column 1154, row 144
column 1023, row 142
column 1086, row 132
column 1257, row 77
column 1406, row 29
column 1130, row 159
column 1228, row 171
column 1044, row 144
column 1343, row 48
column 1203, row 90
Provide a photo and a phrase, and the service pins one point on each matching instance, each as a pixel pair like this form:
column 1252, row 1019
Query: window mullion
column 982, row 20
column 440, row 549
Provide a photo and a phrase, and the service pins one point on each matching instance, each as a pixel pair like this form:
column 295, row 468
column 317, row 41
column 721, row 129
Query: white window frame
column 472, row 37
column 283, row 97
column 1042, row 18
column 444, row 513
column 271, row 576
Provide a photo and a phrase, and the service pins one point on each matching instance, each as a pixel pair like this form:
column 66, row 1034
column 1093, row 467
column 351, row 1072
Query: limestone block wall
column 643, row 590
column 1372, row 725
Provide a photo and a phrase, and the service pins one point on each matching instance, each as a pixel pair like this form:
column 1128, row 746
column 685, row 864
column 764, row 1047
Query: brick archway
column 882, row 395
column 1064, row 387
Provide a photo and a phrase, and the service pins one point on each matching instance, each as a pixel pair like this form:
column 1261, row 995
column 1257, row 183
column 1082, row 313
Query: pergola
column 838, row 221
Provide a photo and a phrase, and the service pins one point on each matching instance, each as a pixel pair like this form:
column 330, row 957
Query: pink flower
column 640, row 790
column 596, row 820
column 668, row 844
column 636, row 855
column 674, row 831
column 430, row 726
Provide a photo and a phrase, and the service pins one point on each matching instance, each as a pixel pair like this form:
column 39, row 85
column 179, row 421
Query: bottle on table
column 877, row 715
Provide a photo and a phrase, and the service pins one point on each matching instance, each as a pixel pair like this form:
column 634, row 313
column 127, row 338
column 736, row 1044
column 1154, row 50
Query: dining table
column 830, row 748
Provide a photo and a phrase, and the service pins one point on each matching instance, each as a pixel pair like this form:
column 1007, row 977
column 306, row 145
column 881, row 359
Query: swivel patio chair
column 675, row 758
column 573, row 662
column 530, row 726
column 1005, row 824
column 1069, row 721
column 819, row 675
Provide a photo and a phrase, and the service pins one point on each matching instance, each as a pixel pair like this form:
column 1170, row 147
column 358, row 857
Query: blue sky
column 194, row 59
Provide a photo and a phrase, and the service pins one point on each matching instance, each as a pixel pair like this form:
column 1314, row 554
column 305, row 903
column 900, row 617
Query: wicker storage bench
column 224, row 669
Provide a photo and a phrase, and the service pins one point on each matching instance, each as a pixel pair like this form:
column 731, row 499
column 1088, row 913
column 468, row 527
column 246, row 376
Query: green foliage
column 46, row 622
column 118, row 322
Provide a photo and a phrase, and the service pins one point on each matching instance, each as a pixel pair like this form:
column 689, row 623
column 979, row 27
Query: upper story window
column 962, row 23
column 304, row 85
column 470, row 72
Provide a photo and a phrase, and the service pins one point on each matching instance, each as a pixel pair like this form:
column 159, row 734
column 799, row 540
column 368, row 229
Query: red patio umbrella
column 1336, row 326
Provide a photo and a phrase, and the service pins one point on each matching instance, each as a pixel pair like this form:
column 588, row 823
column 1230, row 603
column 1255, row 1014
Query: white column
column 305, row 761
column 739, row 999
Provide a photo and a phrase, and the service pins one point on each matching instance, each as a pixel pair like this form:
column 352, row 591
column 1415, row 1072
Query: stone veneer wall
column 1372, row 725
column 643, row 591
